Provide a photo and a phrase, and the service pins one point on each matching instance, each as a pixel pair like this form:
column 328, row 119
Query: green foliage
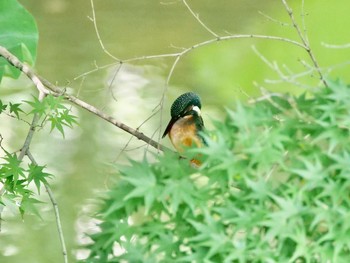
column 18, row 34
column 37, row 175
column 53, row 109
column 16, row 184
column 15, row 108
column 17, row 181
column 273, row 186
column 2, row 106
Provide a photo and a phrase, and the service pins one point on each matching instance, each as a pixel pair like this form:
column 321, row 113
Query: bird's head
column 187, row 104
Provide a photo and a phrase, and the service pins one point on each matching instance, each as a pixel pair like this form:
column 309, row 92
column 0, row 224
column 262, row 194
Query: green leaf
column 28, row 205
column 12, row 167
column 36, row 174
column 67, row 119
column 9, row 201
column 54, row 103
column 2, row 107
column 38, row 106
column 211, row 235
column 178, row 192
column 144, row 182
column 15, row 108
column 57, row 114
column 56, row 123
column 18, row 34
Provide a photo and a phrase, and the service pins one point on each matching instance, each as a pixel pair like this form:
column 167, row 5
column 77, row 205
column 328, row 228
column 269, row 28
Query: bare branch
column 93, row 19
column 304, row 41
column 56, row 211
column 184, row 51
column 218, row 39
column 273, row 19
column 196, row 16
column 97, row 68
column 112, row 80
column 138, row 128
column 290, row 77
column 161, row 102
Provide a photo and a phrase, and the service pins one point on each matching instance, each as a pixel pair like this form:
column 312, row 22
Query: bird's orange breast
column 184, row 134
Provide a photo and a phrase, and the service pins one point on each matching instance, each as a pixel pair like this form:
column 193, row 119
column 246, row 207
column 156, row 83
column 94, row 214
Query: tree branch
column 178, row 55
column 47, row 87
column 56, row 211
column 14, row 61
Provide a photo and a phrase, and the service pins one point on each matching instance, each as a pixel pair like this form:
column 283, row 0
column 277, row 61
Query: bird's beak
column 168, row 128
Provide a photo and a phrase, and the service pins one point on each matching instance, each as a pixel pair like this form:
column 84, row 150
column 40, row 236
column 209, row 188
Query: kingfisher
column 186, row 122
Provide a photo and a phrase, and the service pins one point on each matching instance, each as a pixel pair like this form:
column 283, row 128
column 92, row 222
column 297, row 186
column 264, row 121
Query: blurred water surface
column 220, row 73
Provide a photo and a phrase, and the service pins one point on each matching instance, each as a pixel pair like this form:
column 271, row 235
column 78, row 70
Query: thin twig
column 218, row 39
column 56, row 211
column 303, row 20
column 98, row 33
column 97, row 68
column 138, row 128
column 15, row 117
column 161, row 103
column 189, row 49
column 289, row 78
column 266, row 96
column 273, row 19
column 196, row 16
column 304, row 41
column 113, row 79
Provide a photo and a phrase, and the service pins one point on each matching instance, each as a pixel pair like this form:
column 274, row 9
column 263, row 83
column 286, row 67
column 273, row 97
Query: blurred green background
column 220, row 73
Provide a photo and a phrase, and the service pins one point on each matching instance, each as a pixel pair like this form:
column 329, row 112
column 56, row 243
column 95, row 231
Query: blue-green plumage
column 182, row 103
